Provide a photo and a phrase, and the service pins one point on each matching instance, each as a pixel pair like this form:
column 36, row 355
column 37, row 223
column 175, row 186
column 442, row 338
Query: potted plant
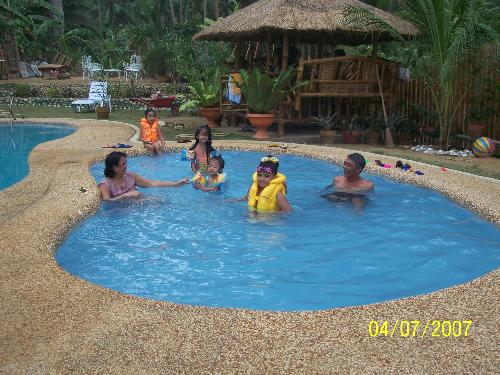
column 372, row 135
column 205, row 96
column 398, row 126
column 478, row 113
column 407, row 132
column 328, row 127
column 263, row 94
column 355, row 127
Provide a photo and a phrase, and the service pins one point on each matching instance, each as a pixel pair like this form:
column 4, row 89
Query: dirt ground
column 489, row 166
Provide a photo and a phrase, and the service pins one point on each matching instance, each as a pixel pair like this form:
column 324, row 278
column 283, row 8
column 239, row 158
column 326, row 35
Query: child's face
column 264, row 178
column 151, row 117
column 213, row 167
column 203, row 136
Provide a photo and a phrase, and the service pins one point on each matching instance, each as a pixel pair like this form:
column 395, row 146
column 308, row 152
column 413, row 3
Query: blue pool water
column 16, row 142
column 187, row 246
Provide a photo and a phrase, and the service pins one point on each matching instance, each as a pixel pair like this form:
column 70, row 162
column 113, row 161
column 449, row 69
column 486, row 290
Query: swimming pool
column 186, row 246
column 17, row 141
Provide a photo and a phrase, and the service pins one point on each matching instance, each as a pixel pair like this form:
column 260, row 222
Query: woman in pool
column 268, row 190
column 120, row 184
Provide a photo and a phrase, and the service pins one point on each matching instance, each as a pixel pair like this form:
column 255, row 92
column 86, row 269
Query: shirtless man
column 351, row 186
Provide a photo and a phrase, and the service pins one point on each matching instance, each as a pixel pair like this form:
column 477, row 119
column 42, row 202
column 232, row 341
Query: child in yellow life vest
column 268, row 190
column 215, row 178
column 150, row 133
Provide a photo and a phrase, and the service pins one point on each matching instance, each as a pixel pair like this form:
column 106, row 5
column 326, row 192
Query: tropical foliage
column 449, row 31
column 263, row 94
column 110, row 31
column 203, row 94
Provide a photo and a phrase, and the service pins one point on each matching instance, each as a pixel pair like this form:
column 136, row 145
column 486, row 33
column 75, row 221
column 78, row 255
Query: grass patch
column 191, row 123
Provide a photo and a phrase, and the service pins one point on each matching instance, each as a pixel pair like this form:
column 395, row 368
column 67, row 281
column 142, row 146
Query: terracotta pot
column 372, row 138
column 102, row 113
column 477, row 130
column 261, row 121
column 212, row 115
column 327, row 137
column 351, row 137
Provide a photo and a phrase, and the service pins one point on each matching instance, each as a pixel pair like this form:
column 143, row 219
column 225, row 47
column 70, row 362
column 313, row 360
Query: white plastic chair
column 98, row 95
column 86, row 62
column 134, row 68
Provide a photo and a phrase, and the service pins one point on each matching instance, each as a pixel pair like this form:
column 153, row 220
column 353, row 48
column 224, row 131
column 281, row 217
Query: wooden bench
column 347, row 77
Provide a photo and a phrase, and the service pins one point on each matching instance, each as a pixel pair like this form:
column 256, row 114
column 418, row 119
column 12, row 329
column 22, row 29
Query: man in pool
column 350, row 186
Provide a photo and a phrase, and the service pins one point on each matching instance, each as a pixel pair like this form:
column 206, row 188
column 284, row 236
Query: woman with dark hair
column 120, row 184
column 202, row 150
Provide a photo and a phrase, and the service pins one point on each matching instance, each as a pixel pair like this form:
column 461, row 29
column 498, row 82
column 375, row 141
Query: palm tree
column 448, row 32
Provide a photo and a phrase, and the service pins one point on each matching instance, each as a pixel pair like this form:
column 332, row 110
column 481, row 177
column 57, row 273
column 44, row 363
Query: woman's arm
column 283, row 204
column 146, row 183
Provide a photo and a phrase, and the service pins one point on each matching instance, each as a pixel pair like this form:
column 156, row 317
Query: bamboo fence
column 481, row 81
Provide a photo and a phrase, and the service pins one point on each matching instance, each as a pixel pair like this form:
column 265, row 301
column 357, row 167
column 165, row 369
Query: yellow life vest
column 267, row 200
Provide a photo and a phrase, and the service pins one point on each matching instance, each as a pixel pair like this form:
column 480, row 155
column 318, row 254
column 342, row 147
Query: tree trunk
column 57, row 15
column 216, row 9
column 181, row 12
column 172, row 13
column 99, row 16
column 204, row 9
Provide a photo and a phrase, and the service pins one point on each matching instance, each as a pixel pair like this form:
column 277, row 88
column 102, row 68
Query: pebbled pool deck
column 54, row 323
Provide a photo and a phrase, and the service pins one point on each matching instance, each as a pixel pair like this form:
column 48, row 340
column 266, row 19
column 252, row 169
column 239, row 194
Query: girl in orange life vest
column 150, row 134
column 202, row 149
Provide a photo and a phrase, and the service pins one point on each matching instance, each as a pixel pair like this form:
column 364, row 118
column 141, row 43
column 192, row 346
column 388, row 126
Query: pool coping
column 56, row 323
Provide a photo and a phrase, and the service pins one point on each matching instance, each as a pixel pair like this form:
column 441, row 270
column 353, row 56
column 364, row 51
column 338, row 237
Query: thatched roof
column 305, row 20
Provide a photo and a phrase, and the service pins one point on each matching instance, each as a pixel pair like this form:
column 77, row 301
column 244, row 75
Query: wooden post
column 237, row 56
column 286, row 45
column 250, row 57
column 268, row 54
column 389, row 142
column 374, row 43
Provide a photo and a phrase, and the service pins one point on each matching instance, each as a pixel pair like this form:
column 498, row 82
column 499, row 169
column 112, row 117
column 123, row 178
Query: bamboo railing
column 471, row 82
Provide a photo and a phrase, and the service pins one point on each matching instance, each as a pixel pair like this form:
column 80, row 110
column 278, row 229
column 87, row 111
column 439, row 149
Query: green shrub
column 52, row 92
column 158, row 61
column 22, row 90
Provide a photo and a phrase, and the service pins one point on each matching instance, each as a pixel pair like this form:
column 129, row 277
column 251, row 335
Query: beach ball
column 483, row 147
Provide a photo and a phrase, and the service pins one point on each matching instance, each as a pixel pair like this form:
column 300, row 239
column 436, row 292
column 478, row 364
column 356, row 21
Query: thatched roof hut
column 307, row 21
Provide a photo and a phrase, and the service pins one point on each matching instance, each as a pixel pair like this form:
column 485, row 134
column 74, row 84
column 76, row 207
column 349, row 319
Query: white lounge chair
column 98, row 95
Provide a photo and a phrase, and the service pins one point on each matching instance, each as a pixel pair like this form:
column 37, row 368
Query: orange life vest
column 150, row 132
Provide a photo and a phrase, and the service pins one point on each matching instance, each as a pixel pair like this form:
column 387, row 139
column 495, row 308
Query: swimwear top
column 115, row 190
